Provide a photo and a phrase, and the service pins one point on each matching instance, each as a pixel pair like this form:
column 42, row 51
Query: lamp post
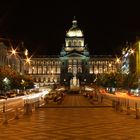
column 118, row 64
column 96, row 73
column 27, row 64
column 6, row 84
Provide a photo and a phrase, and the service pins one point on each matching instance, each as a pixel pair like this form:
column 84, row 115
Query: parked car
column 11, row 94
column 2, row 96
column 21, row 94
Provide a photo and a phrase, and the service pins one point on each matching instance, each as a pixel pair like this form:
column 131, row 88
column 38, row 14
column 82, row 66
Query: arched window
column 69, row 69
column 74, row 43
column 69, row 43
column 44, row 79
column 79, row 43
column 79, row 70
column 48, row 79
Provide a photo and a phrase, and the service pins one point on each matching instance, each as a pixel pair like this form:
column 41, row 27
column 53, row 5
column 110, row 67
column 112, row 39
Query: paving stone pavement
column 73, row 123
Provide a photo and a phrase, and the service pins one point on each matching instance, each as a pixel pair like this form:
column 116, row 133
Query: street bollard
column 125, row 103
column 137, row 114
column 33, row 106
column 4, row 107
column 37, row 104
column 16, row 113
column 27, row 109
column 117, row 105
column 137, row 111
column 121, row 107
column 113, row 103
column 101, row 99
column 5, row 118
column 128, row 110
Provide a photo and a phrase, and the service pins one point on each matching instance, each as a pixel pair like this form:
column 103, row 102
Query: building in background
column 136, row 61
column 74, row 66
column 130, row 59
column 13, row 57
column 3, row 55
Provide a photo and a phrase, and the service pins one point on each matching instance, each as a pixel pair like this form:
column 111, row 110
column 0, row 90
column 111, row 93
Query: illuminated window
column 79, row 69
column 79, row 43
column 39, row 70
column 69, row 69
column 74, row 43
column 69, row 43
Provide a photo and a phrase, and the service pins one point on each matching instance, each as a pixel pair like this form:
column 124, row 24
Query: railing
column 128, row 105
column 18, row 107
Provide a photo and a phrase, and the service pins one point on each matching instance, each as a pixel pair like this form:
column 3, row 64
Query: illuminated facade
column 12, row 58
column 137, row 57
column 74, row 66
column 3, row 56
column 7, row 59
column 127, row 59
column 130, row 60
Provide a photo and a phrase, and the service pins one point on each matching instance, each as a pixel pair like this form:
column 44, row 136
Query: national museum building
column 74, row 66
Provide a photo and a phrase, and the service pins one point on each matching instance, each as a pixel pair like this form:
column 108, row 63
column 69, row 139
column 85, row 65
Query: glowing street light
column 6, row 82
column 117, row 60
column 26, row 52
column 28, row 60
column 13, row 51
column 131, row 51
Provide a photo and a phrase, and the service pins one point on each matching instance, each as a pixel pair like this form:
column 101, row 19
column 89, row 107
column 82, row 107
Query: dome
column 74, row 31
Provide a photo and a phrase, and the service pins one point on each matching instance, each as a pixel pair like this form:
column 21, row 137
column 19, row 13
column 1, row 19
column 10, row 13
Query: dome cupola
column 74, row 31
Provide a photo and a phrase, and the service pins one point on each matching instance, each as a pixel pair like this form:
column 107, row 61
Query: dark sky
column 42, row 25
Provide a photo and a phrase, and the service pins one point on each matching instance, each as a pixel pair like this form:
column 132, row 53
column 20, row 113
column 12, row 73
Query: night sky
column 42, row 25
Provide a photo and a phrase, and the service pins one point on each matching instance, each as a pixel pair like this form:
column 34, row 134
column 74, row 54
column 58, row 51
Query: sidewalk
column 73, row 124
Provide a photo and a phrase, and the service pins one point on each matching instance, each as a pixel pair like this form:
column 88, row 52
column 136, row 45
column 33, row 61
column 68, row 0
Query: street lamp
column 6, row 84
column 13, row 58
column 13, row 51
column 23, row 84
column 17, row 59
column 28, row 60
column 27, row 64
column 20, row 57
column 118, row 62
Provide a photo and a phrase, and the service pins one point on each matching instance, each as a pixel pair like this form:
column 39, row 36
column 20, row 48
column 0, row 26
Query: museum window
column 80, row 43
column 69, row 69
column 69, row 43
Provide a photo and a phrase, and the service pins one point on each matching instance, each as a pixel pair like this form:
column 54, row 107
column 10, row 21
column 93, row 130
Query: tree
column 14, row 79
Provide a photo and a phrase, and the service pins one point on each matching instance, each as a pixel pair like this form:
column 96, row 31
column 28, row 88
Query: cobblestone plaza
column 74, row 119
